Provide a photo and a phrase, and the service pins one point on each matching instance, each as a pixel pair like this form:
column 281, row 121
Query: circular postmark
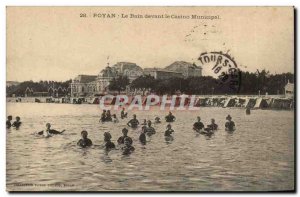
column 225, row 70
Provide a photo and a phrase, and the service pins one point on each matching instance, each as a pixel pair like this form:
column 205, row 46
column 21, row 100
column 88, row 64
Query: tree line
column 41, row 86
column 260, row 82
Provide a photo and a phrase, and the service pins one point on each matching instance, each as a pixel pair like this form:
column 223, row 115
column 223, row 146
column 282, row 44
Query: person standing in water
column 50, row 131
column 103, row 116
column 108, row 116
column 8, row 122
column 229, row 125
column 108, row 144
column 213, row 126
column 142, row 137
column 198, row 126
column 121, row 139
column 84, row 141
column 17, row 123
column 169, row 131
column 123, row 114
column 144, row 122
column 133, row 123
column 170, row 117
column 150, row 130
column 128, row 148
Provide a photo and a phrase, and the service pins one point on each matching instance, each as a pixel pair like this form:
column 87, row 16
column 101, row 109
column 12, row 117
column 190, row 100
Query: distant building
column 289, row 90
column 93, row 85
column 187, row 69
column 162, row 73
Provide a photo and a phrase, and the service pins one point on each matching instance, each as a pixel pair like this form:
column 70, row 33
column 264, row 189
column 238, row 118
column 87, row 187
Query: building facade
column 95, row 85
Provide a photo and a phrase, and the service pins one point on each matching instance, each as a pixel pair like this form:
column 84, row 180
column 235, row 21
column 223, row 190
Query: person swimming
column 8, row 122
column 198, row 126
column 121, row 139
column 123, row 114
column 213, row 126
column 169, row 131
column 133, row 123
column 128, row 148
column 17, row 123
column 229, row 125
column 157, row 120
column 50, row 131
column 84, row 141
column 115, row 119
column 142, row 136
column 149, row 129
column 170, row 117
column 108, row 144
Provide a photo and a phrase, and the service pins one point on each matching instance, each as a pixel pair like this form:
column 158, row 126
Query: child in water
column 127, row 149
column 85, row 141
column 229, row 125
column 157, row 120
column 17, row 123
column 50, row 131
column 108, row 144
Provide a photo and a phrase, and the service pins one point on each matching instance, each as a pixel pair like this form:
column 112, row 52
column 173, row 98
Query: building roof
column 182, row 64
column 85, row 78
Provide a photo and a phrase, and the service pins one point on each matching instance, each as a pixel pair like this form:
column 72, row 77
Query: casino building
column 94, row 85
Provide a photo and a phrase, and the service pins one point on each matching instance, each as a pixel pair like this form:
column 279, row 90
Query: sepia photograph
column 150, row 99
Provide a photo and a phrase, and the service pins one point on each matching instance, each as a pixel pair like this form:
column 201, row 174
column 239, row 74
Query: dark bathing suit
column 16, row 124
column 170, row 118
column 8, row 124
column 230, row 126
column 127, row 150
column 51, row 131
column 169, row 132
column 85, row 142
column 121, row 139
column 198, row 125
column 109, row 145
column 133, row 123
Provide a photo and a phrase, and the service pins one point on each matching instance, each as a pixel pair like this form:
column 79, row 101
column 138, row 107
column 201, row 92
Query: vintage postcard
column 150, row 99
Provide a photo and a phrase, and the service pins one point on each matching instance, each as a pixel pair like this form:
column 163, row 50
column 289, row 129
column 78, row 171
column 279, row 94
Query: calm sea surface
column 259, row 155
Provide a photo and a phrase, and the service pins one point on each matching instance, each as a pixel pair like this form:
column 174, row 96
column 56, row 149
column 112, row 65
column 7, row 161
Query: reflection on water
column 259, row 155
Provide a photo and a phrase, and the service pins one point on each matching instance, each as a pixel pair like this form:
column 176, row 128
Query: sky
column 55, row 43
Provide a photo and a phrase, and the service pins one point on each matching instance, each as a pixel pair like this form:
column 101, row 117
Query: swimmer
column 144, row 122
column 103, row 116
column 17, row 123
column 8, row 122
column 121, row 139
column 142, row 137
column 108, row 116
column 229, row 125
column 84, row 141
column 123, row 114
column 150, row 130
column 170, row 117
column 213, row 126
column 157, row 120
column 133, row 123
column 50, row 131
column 169, row 131
column 128, row 148
column 198, row 126
column 115, row 119
column 108, row 144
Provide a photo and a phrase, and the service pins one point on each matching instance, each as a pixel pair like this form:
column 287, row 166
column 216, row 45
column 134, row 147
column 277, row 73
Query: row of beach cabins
column 253, row 102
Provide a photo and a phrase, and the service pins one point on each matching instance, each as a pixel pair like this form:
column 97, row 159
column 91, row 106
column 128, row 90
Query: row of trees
column 41, row 86
column 249, row 84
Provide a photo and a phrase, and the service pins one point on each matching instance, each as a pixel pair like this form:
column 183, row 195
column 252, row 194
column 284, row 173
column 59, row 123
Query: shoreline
column 273, row 102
